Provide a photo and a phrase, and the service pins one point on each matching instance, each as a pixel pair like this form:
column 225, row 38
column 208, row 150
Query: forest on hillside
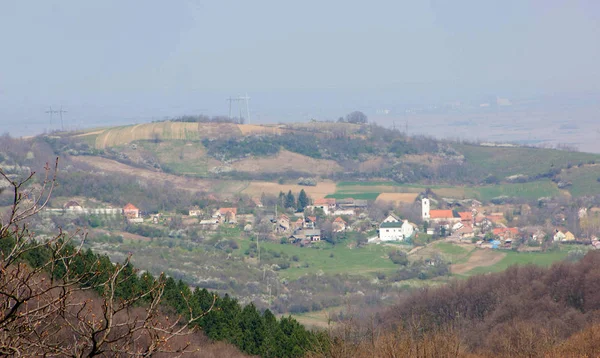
column 526, row 311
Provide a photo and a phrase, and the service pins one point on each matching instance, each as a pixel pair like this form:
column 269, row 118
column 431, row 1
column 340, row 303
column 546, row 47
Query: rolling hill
column 251, row 158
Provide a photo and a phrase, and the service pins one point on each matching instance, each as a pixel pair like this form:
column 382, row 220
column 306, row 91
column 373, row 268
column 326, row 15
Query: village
column 288, row 221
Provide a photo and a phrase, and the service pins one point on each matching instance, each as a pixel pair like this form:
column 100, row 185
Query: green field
column 354, row 195
column 506, row 161
column 359, row 261
column 370, row 190
column 178, row 156
column 584, row 180
column 522, row 258
column 531, row 190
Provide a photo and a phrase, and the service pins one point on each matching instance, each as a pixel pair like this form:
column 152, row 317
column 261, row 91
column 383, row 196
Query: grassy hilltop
column 346, row 160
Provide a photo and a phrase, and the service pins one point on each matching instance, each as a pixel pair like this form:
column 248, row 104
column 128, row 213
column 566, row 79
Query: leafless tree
column 53, row 308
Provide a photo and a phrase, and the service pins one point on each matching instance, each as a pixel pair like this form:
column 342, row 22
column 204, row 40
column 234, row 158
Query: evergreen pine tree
column 290, row 200
column 302, row 200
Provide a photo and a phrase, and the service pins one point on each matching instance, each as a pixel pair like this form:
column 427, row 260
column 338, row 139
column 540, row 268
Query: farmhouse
column 569, row 236
column 392, row 229
column 339, row 224
column 195, row 211
column 131, row 212
column 283, row 223
column 310, row 222
column 559, row 236
column 326, row 204
column 505, row 233
column 226, row 215
column 311, row 235
column 351, row 203
column 72, row 205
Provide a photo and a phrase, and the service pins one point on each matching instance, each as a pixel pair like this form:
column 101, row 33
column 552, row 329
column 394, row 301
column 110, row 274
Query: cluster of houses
column 131, row 213
column 485, row 230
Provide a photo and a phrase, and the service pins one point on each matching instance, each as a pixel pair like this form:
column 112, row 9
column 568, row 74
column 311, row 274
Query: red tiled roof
column 312, row 218
column 504, row 230
column 325, row 201
column 339, row 220
column 130, row 206
column 441, row 214
column 466, row 215
column 224, row 211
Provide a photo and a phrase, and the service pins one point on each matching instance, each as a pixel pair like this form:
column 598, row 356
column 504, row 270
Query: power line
column 238, row 100
column 60, row 113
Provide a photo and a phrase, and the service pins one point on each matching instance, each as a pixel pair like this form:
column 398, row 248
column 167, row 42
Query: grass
column 358, row 261
column 506, row 161
column 370, row 190
column 531, row 190
column 359, row 196
column 178, row 156
column 449, row 251
column 522, row 258
column 584, row 180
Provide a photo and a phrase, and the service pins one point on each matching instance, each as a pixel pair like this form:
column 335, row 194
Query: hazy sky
column 115, row 60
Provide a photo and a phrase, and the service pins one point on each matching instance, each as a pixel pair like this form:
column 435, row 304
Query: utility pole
column 51, row 112
column 246, row 99
column 230, row 101
column 62, row 125
column 240, row 109
column 60, row 112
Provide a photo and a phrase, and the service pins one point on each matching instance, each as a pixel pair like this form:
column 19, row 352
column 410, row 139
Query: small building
column 283, row 223
column 304, row 235
column 195, row 211
column 505, row 233
column 559, row 236
column 72, row 205
column 339, row 224
column 310, row 222
column 226, row 215
column 392, row 229
column 569, row 236
column 130, row 211
column 326, row 204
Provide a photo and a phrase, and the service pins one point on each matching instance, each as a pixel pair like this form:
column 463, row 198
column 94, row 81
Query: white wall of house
column 391, row 234
column 407, row 229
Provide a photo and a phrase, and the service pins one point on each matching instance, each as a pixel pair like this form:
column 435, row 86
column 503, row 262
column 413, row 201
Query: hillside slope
column 340, row 151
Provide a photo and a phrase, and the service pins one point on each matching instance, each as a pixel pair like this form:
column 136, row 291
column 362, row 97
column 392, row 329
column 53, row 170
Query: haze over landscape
column 430, row 67
column 318, row 179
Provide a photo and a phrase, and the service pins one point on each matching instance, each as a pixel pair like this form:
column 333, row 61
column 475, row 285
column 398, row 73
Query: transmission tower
column 60, row 113
column 240, row 108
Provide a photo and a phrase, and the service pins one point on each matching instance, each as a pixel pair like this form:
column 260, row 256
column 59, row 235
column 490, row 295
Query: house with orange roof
column 227, row 215
column 339, row 224
column 449, row 217
column 130, row 211
column 283, row 223
column 505, row 233
column 298, row 224
column 328, row 205
column 310, row 222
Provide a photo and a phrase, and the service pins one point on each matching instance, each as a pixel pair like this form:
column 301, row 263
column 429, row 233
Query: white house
column 392, row 229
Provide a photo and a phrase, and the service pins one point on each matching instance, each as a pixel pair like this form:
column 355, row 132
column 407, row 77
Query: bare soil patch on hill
column 479, row 258
column 287, row 161
column 398, row 198
column 165, row 131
